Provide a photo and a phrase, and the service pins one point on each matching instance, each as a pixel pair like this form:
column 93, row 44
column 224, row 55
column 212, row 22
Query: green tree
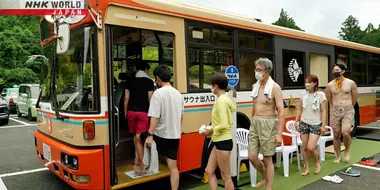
column 17, row 76
column 2, row 81
column 286, row 21
column 371, row 39
column 19, row 38
column 350, row 30
column 370, row 28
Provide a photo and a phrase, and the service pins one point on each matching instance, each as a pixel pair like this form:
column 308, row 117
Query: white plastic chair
column 253, row 172
column 285, row 151
column 291, row 127
column 322, row 143
column 242, row 138
column 242, row 145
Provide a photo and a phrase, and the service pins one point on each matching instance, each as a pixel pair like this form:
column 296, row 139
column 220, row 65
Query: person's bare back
column 263, row 105
column 341, row 97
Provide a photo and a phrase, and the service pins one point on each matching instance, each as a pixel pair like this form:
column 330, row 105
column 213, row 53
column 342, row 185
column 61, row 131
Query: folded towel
column 203, row 128
column 141, row 74
column 316, row 100
column 267, row 89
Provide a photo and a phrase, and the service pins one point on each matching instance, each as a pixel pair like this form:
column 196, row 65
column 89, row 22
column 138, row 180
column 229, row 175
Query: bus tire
column 242, row 121
column 356, row 121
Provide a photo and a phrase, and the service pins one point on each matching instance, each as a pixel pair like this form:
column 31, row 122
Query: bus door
column 132, row 40
column 130, row 46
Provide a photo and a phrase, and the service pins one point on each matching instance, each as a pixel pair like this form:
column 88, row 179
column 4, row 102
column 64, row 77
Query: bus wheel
column 243, row 121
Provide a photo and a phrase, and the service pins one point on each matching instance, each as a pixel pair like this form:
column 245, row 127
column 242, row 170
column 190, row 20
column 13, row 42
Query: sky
column 321, row 17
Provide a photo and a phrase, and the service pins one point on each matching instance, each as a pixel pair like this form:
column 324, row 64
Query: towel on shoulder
column 267, row 89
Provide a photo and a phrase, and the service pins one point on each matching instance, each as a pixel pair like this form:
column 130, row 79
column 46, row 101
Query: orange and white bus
column 82, row 134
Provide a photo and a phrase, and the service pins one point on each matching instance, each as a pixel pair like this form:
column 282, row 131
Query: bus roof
column 198, row 13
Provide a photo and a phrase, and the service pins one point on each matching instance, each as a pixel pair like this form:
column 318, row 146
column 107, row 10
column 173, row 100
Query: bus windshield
column 73, row 77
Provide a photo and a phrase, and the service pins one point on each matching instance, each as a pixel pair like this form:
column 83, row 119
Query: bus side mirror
column 63, row 38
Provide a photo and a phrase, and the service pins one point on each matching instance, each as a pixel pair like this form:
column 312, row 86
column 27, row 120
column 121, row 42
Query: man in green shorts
column 267, row 121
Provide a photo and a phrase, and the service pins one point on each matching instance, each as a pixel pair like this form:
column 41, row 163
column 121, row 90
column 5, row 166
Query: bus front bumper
column 87, row 173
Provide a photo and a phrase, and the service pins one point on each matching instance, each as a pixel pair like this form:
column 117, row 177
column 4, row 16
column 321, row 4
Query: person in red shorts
column 136, row 104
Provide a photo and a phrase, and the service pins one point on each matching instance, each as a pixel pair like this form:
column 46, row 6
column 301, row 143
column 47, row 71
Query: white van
column 27, row 99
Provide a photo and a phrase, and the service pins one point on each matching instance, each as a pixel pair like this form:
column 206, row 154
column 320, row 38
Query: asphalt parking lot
column 19, row 167
column 21, row 170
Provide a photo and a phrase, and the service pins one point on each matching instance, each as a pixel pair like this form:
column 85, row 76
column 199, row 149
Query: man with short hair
column 136, row 105
column 265, row 133
column 342, row 94
column 166, row 111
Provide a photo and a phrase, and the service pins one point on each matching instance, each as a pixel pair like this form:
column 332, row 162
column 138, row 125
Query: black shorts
column 165, row 147
column 225, row 145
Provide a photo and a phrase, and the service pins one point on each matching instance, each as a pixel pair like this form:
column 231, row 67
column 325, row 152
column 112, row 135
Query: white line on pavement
column 23, row 172
column 368, row 167
column 13, row 119
column 2, row 185
column 18, row 126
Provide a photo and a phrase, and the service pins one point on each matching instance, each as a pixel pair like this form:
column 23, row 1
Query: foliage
column 17, row 76
column 19, row 38
column 2, row 81
column 286, row 21
column 351, row 31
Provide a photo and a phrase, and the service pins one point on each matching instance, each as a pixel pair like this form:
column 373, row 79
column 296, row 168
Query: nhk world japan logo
column 43, row 7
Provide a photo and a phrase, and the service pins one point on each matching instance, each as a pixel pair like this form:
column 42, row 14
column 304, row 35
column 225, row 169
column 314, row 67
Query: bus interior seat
column 119, row 89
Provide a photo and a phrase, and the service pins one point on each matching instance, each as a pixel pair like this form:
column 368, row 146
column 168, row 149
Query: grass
column 359, row 149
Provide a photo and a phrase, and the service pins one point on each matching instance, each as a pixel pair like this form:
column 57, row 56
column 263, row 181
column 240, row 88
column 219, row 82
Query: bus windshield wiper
column 52, row 88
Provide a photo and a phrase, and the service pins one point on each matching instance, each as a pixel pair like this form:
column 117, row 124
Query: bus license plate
column 46, row 152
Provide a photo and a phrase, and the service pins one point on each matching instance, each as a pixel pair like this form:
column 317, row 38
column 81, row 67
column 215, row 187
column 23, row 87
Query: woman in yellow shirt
column 220, row 132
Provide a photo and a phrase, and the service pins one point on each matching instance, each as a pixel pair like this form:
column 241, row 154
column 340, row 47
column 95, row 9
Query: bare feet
column 137, row 162
column 317, row 168
column 338, row 159
column 261, row 183
column 305, row 173
column 139, row 170
column 347, row 156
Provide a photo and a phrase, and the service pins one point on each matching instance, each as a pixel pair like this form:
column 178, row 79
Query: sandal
column 368, row 163
column 350, row 172
column 335, row 179
column 367, row 158
column 376, row 160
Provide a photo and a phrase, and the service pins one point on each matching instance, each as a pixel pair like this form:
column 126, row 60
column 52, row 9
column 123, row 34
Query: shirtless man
column 342, row 94
column 265, row 133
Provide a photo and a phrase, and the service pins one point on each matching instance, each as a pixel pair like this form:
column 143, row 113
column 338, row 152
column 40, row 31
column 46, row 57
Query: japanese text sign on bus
column 232, row 74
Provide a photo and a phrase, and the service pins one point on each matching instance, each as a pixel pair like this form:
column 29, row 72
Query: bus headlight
column 69, row 161
column 81, row 178
column 75, row 162
column 66, row 160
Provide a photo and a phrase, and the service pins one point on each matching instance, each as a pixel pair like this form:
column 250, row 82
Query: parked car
column 27, row 99
column 10, row 95
column 4, row 111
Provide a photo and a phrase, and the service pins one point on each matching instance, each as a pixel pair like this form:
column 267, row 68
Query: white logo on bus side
column 294, row 70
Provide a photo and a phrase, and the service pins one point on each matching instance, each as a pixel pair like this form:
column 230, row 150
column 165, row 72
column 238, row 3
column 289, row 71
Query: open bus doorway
column 131, row 47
